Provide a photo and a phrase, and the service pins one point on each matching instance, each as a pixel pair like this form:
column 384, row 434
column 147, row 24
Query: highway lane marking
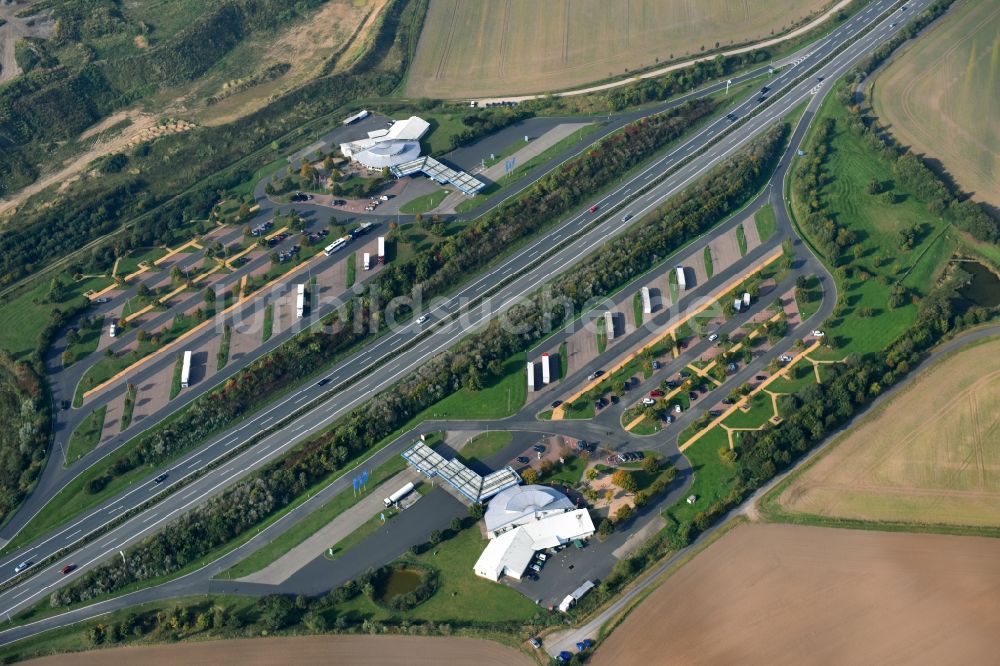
column 194, row 463
column 189, row 494
column 267, row 420
column 304, row 397
column 70, row 536
column 151, row 517
column 115, row 509
column 107, row 543
column 21, row 594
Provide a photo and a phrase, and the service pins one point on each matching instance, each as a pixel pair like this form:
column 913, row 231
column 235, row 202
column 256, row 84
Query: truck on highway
column 367, row 261
column 186, row 370
column 399, row 494
column 681, row 280
column 381, row 250
column 300, row 301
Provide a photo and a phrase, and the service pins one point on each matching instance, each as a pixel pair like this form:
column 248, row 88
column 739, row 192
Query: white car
column 22, row 566
column 713, row 337
column 648, row 401
column 678, row 409
column 818, row 334
column 421, row 319
column 541, row 556
column 785, row 358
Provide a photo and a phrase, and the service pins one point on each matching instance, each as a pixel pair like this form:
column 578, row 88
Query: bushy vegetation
column 24, row 435
column 717, row 195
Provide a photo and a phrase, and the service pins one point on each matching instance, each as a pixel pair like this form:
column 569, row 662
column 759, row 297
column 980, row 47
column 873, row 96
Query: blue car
column 564, row 657
column 585, row 644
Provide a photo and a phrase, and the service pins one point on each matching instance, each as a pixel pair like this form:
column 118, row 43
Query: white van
column 113, row 330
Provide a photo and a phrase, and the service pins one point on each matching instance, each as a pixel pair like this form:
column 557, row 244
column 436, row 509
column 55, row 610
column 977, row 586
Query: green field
column 940, row 96
column 90, row 335
column 424, row 203
column 760, row 412
column 86, row 436
column 741, row 239
column 800, row 376
column 130, row 262
column 709, row 265
column 484, row 445
column 713, row 477
column 468, row 49
column 268, row 327
column 766, row 223
column 865, row 322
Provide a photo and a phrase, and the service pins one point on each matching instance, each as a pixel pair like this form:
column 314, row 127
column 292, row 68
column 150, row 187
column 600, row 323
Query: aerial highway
column 520, row 274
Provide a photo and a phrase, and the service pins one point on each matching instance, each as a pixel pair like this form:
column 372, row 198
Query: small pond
column 984, row 289
column 399, row 581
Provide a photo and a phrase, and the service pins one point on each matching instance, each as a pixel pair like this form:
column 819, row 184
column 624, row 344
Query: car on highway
column 66, row 569
column 323, row 382
column 523, row 460
column 648, row 401
column 761, row 99
column 421, row 319
column 626, row 217
column 161, row 478
column 731, row 117
column 593, row 209
column 764, row 90
column 22, row 566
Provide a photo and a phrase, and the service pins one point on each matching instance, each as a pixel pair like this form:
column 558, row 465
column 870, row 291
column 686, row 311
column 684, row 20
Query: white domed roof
column 521, row 501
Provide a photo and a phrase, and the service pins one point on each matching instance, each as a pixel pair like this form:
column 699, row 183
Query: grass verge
column 85, row 438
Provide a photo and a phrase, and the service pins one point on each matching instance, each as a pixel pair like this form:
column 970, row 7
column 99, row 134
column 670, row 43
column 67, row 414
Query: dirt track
column 784, row 594
column 313, row 650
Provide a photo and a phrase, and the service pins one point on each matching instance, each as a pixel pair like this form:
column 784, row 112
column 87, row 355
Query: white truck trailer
column 546, row 376
column 367, row 264
column 399, row 494
column 300, row 301
column 360, row 115
column 647, row 303
column 609, row 325
column 381, row 250
column 531, row 375
column 186, row 370
column 681, row 280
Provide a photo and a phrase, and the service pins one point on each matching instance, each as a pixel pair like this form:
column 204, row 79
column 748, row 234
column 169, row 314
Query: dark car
column 556, row 404
column 585, row 644
column 538, row 448
column 524, row 460
column 323, row 382
column 161, row 478
column 693, row 395
column 760, row 378
column 66, row 569
column 64, row 404
column 761, row 99
column 656, row 394
column 564, row 657
column 764, row 90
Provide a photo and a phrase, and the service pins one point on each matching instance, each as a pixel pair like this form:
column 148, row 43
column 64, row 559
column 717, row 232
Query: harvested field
column 369, row 650
column 474, row 47
column 787, row 594
column 931, row 455
column 935, row 97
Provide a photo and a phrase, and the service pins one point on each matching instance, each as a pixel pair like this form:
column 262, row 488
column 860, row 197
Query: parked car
column 585, row 644
column 714, row 413
column 537, row 568
column 564, row 657
column 685, row 373
column 656, row 365
column 785, row 358
column 713, row 337
column 648, row 401
column 692, row 395
column 535, row 643
column 760, row 378
column 818, row 334
column 678, row 409
column 538, row 448
column 102, row 299
column 523, row 460
column 64, row 404
column 656, row 394
column 541, row 556
column 669, row 419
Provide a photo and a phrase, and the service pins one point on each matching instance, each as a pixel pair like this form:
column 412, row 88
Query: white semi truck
column 546, row 376
column 647, row 303
column 399, row 494
column 186, row 370
column 681, row 280
column 367, row 261
column 300, row 301
column 381, row 250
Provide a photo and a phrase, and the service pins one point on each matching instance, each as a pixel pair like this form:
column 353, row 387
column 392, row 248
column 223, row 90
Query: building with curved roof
column 388, row 154
column 520, row 505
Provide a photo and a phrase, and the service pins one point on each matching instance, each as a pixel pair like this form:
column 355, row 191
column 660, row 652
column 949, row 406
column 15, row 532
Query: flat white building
column 385, row 148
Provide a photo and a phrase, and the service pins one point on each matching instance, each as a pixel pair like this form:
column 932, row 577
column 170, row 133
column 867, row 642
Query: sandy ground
column 932, row 454
column 791, row 308
column 112, row 419
column 581, row 348
column 15, row 28
column 725, row 251
column 750, row 231
column 306, row 650
column 153, row 394
column 784, row 594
